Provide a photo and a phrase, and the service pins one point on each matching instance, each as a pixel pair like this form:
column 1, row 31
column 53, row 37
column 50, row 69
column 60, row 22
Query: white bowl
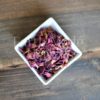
column 49, row 22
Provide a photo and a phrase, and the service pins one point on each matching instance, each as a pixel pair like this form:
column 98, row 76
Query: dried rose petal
column 34, row 65
column 48, row 57
column 48, row 75
column 29, row 56
column 48, row 52
column 21, row 50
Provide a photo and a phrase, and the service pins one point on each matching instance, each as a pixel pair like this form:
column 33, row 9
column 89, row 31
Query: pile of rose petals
column 48, row 52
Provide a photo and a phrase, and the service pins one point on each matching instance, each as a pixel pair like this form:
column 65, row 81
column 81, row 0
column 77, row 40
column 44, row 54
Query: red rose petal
column 48, row 52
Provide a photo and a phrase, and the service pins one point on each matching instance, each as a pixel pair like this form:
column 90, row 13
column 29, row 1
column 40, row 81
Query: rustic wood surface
column 80, row 19
column 81, row 81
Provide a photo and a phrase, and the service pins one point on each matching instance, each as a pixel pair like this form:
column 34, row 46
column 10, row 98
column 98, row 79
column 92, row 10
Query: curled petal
column 29, row 56
column 47, row 74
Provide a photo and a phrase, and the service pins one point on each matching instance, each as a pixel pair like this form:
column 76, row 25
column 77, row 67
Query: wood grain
column 10, row 9
column 80, row 81
column 80, row 19
column 82, row 27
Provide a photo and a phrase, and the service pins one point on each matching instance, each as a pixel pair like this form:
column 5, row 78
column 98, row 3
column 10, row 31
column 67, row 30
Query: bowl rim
column 33, row 33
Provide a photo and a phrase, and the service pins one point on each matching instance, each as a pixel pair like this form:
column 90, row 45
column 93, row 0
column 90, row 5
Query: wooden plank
column 80, row 81
column 82, row 27
column 10, row 9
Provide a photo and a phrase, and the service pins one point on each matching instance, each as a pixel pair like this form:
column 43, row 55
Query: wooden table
column 80, row 19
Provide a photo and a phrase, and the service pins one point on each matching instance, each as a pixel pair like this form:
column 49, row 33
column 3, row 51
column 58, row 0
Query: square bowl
column 50, row 22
